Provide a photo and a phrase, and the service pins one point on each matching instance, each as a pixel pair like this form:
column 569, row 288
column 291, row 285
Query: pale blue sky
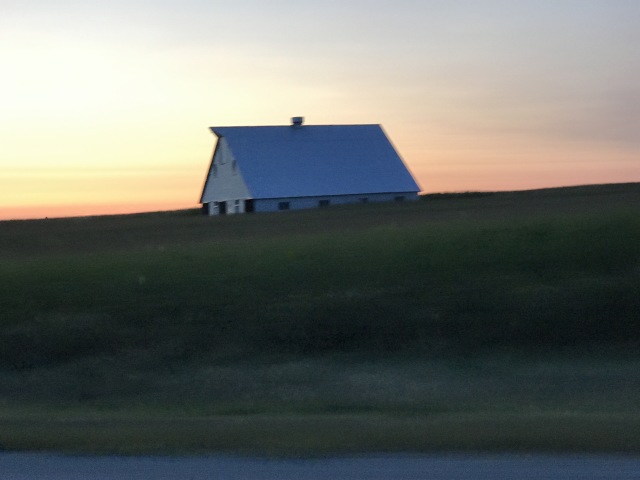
column 476, row 95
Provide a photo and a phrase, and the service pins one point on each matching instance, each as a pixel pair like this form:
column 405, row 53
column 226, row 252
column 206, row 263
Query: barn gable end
column 225, row 190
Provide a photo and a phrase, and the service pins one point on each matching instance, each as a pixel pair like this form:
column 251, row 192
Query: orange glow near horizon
column 67, row 192
column 87, row 210
column 70, row 190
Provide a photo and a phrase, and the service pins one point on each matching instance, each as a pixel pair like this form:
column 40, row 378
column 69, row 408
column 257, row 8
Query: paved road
column 18, row 466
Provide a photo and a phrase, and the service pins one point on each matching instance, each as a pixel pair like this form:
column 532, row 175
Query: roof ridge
column 301, row 127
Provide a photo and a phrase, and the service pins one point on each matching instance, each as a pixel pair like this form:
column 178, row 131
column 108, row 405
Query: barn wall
column 299, row 203
column 231, row 207
column 224, row 182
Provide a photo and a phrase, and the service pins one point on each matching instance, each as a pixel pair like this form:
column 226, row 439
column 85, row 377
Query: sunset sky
column 105, row 105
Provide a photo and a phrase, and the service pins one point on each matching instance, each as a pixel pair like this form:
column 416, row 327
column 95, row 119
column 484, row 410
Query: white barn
column 271, row 168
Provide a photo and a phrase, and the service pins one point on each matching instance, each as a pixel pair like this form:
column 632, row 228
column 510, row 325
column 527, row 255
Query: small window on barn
column 236, row 206
column 283, row 206
column 399, row 198
column 323, row 203
column 234, row 167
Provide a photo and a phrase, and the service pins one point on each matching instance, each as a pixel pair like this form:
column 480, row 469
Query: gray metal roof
column 317, row 160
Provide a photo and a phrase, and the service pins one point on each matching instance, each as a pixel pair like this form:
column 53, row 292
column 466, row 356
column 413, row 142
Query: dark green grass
column 567, row 281
column 496, row 308
column 328, row 405
column 315, row 435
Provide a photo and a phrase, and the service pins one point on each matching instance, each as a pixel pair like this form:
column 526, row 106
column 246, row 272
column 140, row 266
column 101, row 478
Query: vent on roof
column 297, row 121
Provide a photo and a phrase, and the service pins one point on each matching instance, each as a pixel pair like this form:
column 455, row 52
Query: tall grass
column 533, row 284
column 563, row 282
column 524, row 304
column 320, row 435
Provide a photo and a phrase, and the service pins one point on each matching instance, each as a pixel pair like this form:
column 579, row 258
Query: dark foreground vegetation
column 502, row 321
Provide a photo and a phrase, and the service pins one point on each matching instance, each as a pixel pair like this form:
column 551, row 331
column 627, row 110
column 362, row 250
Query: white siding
column 299, row 203
column 225, row 182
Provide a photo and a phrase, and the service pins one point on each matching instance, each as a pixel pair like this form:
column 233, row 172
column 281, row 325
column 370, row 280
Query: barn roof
column 316, row 160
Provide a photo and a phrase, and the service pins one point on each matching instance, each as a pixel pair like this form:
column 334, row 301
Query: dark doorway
column 222, row 208
column 248, row 206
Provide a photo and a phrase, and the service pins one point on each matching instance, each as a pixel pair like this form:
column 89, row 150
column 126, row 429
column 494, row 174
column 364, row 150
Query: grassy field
column 500, row 322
